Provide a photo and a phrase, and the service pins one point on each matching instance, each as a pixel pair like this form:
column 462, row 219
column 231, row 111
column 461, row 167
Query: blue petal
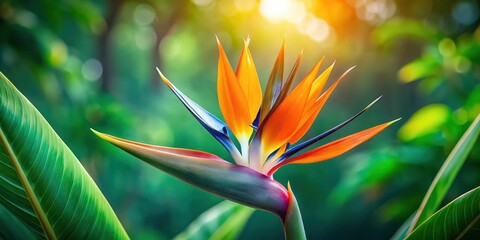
column 212, row 124
column 256, row 121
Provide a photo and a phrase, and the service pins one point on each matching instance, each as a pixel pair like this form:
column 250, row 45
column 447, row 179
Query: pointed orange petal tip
column 338, row 147
column 327, row 71
column 165, row 80
column 101, row 135
column 319, row 83
column 219, row 45
column 233, row 103
column 319, row 63
column 160, row 73
column 246, row 41
column 350, row 69
column 290, row 192
column 394, row 121
column 333, row 64
column 282, row 51
column 249, row 83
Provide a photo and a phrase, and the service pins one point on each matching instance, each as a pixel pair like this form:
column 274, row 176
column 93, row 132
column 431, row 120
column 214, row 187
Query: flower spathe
column 267, row 128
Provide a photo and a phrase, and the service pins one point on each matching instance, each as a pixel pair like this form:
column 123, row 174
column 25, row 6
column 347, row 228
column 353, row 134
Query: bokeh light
column 466, row 12
column 92, row 69
column 375, row 11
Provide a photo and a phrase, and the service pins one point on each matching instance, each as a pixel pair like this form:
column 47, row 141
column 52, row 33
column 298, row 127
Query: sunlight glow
column 295, row 11
column 245, row 5
column 275, row 10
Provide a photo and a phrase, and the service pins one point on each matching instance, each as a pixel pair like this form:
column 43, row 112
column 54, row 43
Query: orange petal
column 338, row 147
column 288, row 83
column 248, row 79
column 232, row 100
column 283, row 122
column 335, row 148
column 314, row 108
column 319, row 83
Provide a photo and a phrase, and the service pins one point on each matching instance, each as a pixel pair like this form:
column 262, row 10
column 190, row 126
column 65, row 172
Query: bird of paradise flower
column 267, row 129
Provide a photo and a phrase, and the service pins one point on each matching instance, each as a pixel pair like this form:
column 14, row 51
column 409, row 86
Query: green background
column 91, row 64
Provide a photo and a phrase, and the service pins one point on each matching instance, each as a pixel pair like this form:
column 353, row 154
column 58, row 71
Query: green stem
column 293, row 224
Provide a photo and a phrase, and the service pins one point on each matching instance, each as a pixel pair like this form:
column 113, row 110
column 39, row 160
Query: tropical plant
column 443, row 76
column 266, row 130
column 466, row 209
column 41, row 181
column 46, row 190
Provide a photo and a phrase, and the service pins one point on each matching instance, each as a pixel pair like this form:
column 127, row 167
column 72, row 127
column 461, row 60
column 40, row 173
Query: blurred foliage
column 424, row 123
column 223, row 221
column 91, row 64
column 446, row 74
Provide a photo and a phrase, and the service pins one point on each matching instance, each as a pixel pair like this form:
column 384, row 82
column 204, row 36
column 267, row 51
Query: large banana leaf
column 447, row 173
column 457, row 220
column 223, row 221
column 12, row 228
column 41, row 181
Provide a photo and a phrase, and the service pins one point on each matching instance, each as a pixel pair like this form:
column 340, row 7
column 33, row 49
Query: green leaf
column 454, row 221
column 402, row 231
column 42, row 183
column 425, row 121
column 447, row 174
column 395, row 29
column 11, row 227
column 223, row 221
column 420, row 68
